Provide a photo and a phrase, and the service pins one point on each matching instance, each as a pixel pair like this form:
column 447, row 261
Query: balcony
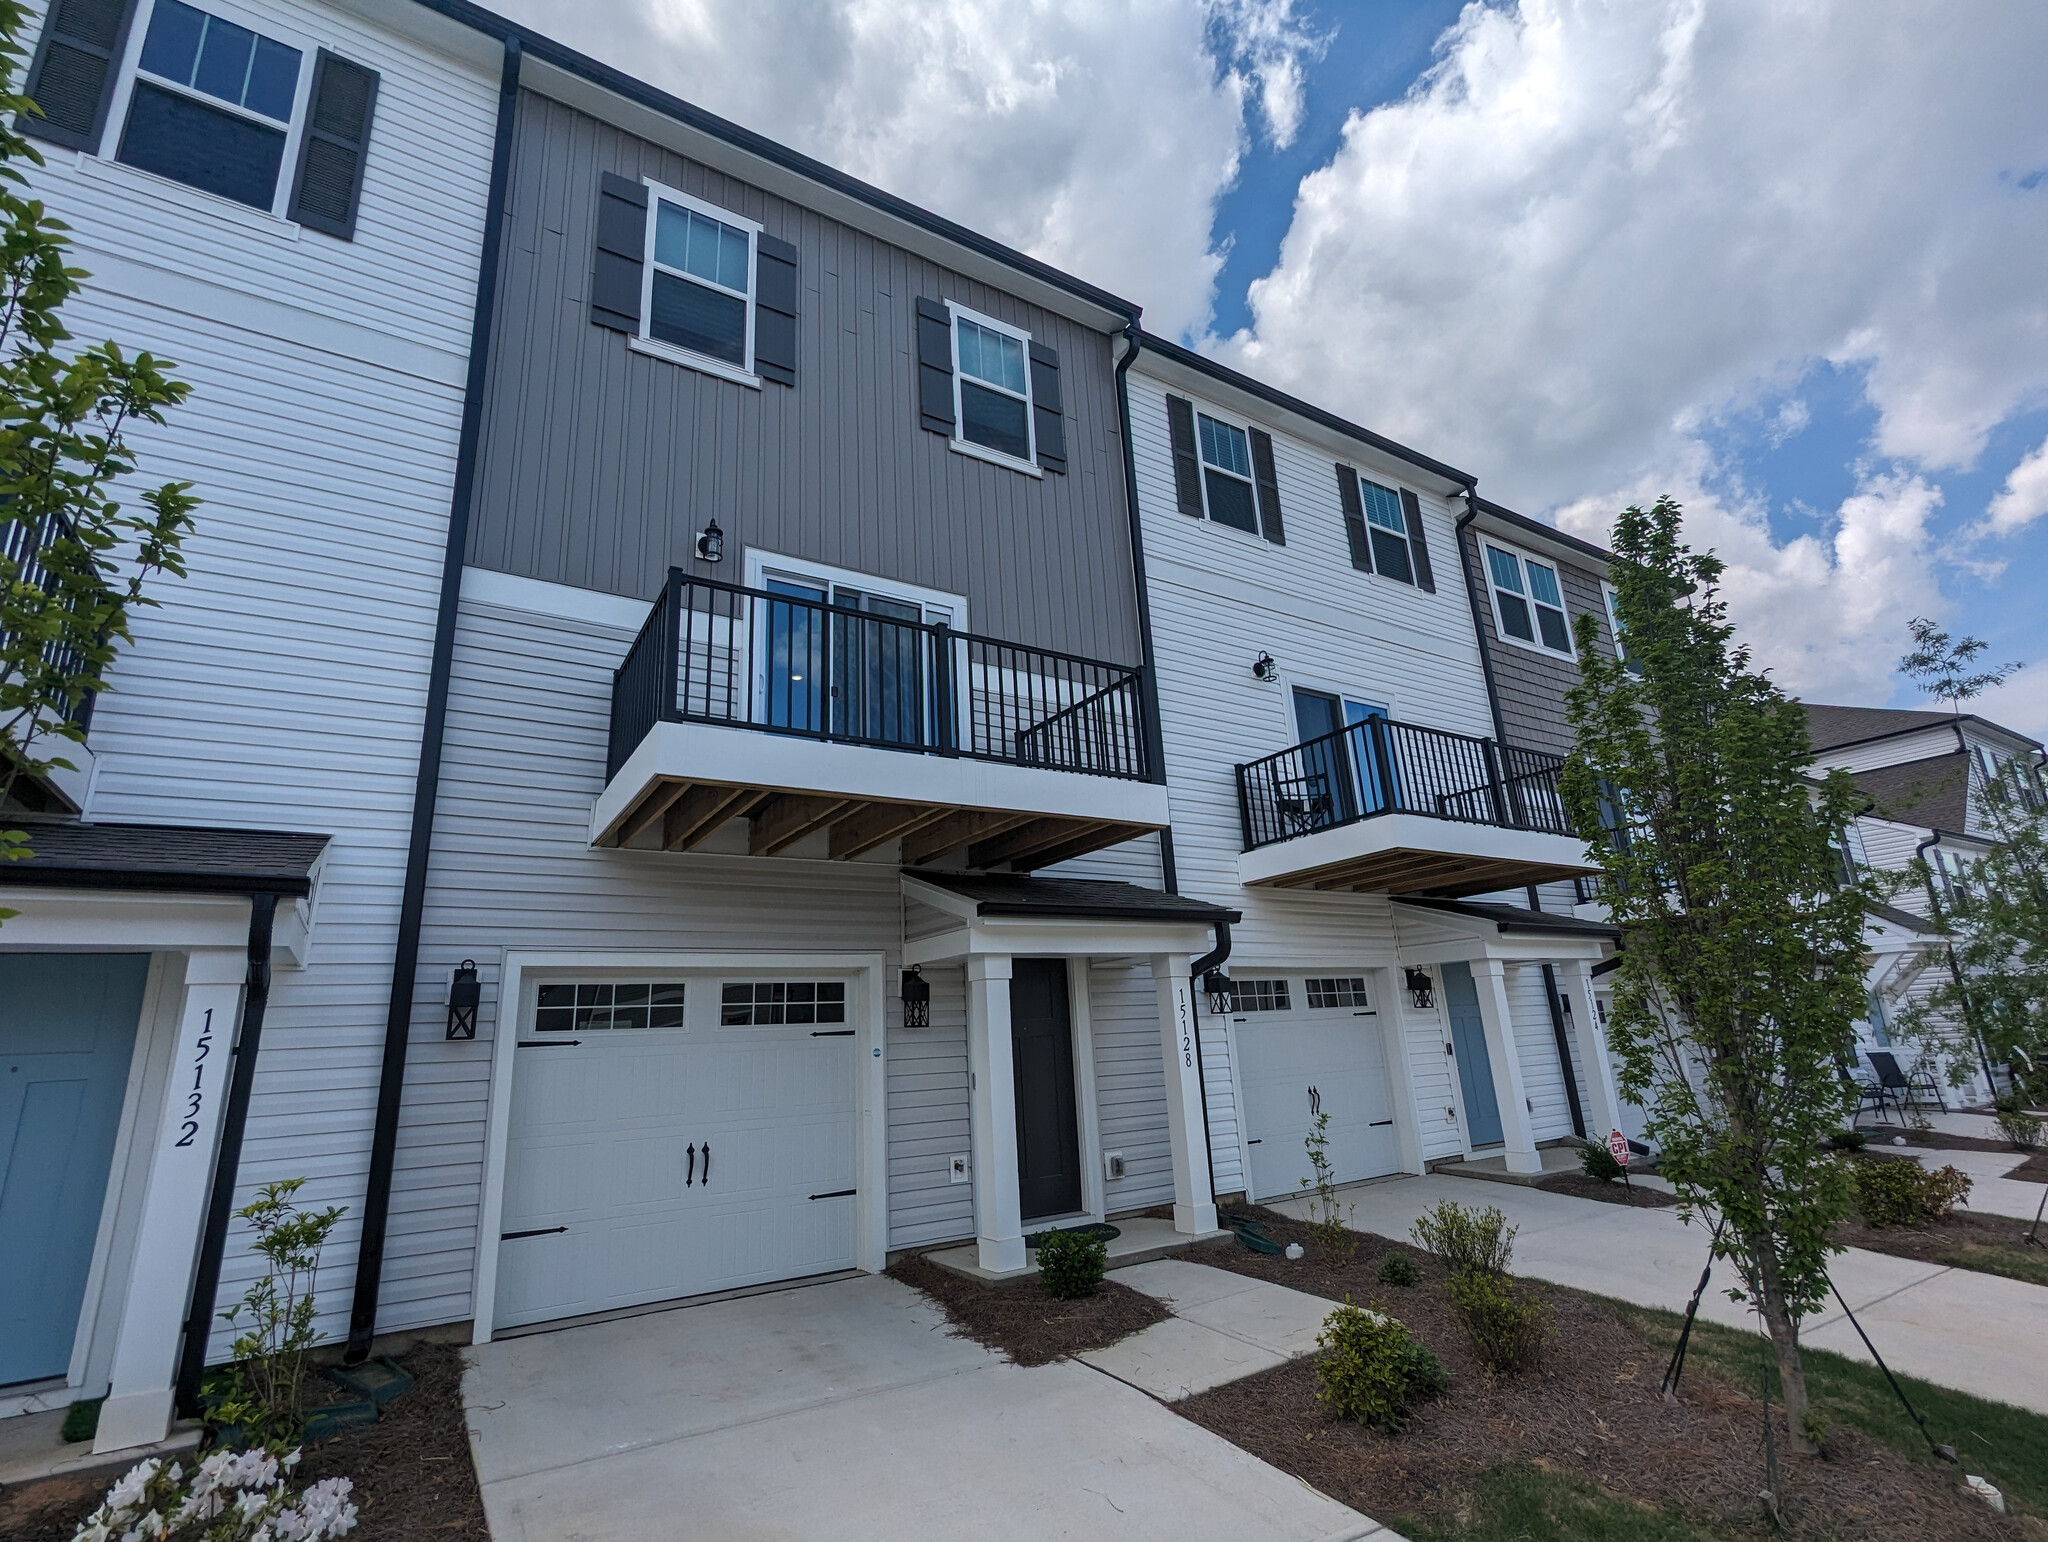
column 834, row 732
column 1388, row 808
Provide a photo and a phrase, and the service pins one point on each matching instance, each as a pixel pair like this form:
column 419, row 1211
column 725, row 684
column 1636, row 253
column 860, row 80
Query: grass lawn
column 2008, row 1445
column 1535, row 1504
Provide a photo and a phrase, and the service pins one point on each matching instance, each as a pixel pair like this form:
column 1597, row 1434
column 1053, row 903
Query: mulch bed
column 1593, row 1410
column 413, row 1477
column 2033, row 1170
column 1022, row 1321
column 1579, row 1186
column 1960, row 1238
column 1936, row 1140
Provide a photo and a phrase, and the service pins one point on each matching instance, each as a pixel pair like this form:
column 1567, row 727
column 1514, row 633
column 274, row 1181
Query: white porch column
column 1518, row 1135
column 1194, row 1205
column 1577, row 989
column 998, row 1212
column 139, row 1404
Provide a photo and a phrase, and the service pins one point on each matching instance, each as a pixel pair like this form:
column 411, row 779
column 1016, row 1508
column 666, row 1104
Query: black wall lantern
column 465, row 993
column 711, row 543
column 1216, row 986
column 1421, row 989
column 1263, row 667
column 917, row 999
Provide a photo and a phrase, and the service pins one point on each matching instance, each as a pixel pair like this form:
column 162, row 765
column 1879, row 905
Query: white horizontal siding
column 1130, row 1082
column 1550, row 1113
column 1432, row 1079
column 928, row 1120
column 283, row 683
column 1896, row 751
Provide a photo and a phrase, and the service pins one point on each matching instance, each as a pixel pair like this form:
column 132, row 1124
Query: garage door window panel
column 1337, row 991
column 590, row 1006
column 1260, row 996
column 770, row 1003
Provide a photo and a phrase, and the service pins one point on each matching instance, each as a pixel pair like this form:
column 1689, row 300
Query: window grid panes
column 191, row 48
column 1260, row 996
column 699, row 283
column 995, row 398
column 1528, row 600
column 1337, row 991
column 1387, row 528
column 1227, row 474
column 764, row 1003
column 588, row 1006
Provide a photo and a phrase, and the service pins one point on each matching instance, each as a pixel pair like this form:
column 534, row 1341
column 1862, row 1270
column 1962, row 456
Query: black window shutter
column 329, row 185
column 775, row 265
column 1354, row 519
column 935, row 366
column 1187, row 469
column 1411, row 513
column 1048, row 419
column 72, row 76
column 621, row 253
column 1268, row 482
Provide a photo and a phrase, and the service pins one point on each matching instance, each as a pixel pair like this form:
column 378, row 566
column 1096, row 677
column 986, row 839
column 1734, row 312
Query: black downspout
column 1155, row 738
column 405, row 962
column 1564, row 1043
column 1500, row 732
column 1201, row 966
column 227, row 1165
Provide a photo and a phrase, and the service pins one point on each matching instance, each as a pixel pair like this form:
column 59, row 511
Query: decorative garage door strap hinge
column 836, row 1194
column 549, row 1043
column 833, row 1033
column 538, row 1231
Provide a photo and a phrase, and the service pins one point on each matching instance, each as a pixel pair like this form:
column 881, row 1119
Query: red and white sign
column 1618, row 1144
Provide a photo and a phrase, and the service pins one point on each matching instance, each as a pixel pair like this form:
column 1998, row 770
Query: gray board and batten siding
column 1531, row 684
column 598, row 465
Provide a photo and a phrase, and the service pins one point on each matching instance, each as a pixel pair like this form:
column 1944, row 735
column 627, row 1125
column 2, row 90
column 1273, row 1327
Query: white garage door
column 1308, row 1042
column 669, row 1138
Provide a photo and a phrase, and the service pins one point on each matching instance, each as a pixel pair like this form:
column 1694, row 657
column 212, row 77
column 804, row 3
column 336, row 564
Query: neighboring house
column 1339, row 777
column 287, row 201
column 1924, row 773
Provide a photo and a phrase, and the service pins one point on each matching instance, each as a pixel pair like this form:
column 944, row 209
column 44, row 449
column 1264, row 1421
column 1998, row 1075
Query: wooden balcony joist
column 1437, row 874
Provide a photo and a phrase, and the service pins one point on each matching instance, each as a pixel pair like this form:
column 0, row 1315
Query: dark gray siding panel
column 599, row 465
column 1531, row 684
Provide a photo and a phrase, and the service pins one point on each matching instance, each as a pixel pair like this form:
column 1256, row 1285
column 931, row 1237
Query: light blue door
column 1468, row 1047
column 67, row 1031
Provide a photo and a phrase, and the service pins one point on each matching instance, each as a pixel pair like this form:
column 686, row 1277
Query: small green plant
column 1849, row 1140
column 1596, row 1161
column 1372, row 1370
column 2017, row 1125
column 1071, row 1264
column 1397, row 1268
column 260, row 1395
column 1466, row 1239
column 82, row 1420
column 1898, row 1191
column 1329, row 1222
column 1506, row 1324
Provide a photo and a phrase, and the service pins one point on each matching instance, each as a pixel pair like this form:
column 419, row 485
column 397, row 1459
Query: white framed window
column 1528, row 600
column 1386, row 526
column 1260, row 996
column 697, row 284
column 992, row 389
column 588, row 1006
column 1336, row 991
column 1613, row 599
column 1228, row 494
column 775, row 1003
column 214, row 102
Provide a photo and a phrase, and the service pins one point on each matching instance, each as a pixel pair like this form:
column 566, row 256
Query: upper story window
column 210, row 102
column 700, row 280
column 1389, row 530
column 993, row 402
column 1227, row 473
column 1383, row 527
column 1528, row 601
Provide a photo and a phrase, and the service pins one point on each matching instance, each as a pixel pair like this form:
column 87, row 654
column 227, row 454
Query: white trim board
column 485, row 586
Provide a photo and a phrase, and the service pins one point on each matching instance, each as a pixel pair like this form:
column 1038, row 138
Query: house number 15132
column 196, row 1098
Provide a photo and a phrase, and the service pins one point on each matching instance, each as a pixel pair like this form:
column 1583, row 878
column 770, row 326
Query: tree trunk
column 1784, row 1334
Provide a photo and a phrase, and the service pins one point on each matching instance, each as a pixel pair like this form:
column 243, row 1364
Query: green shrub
column 82, row 1421
column 1507, row 1325
column 1898, row 1191
column 1397, row 1268
column 1372, row 1369
column 1849, row 1140
column 1071, row 1264
column 261, row 1395
column 2017, row 1125
column 1467, row 1239
column 1596, row 1161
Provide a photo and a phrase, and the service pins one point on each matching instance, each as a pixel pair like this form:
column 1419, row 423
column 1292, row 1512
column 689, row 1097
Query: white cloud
column 2024, row 498
column 1790, row 421
column 2021, row 703
column 1094, row 134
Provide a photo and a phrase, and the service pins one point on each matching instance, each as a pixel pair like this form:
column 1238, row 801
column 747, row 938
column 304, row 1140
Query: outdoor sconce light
column 917, row 999
column 1263, row 667
column 711, row 543
column 465, row 992
column 1421, row 989
column 1216, row 985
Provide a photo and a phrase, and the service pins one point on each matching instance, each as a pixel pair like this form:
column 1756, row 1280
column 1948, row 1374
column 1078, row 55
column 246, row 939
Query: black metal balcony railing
column 714, row 652
column 22, row 544
column 1380, row 767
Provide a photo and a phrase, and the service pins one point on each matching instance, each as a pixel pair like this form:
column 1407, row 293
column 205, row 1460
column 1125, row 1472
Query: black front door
column 1042, row 1044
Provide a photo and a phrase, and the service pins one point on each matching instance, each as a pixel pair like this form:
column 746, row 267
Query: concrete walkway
column 1224, row 1326
column 848, row 1410
column 1974, row 1332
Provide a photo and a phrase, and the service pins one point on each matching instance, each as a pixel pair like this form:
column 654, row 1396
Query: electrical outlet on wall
column 1113, row 1164
column 958, row 1172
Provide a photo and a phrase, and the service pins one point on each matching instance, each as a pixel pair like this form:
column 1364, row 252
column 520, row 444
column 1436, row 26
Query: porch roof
column 1005, row 894
column 1517, row 918
column 176, row 858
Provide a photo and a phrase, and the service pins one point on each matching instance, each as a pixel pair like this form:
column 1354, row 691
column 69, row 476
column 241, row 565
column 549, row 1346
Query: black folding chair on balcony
column 1303, row 802
column 1909, row 1090
column 1869, row 1093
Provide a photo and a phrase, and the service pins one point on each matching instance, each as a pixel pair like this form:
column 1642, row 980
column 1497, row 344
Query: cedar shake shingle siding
column 1531, row 684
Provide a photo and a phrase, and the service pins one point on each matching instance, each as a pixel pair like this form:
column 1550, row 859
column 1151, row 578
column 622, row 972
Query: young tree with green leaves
column 1742, row 962
column 73, row 557
column 1940, row 665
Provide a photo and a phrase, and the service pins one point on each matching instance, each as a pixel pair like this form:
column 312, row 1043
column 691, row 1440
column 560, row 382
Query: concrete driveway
column 1975, row 1332
column 847, row 1410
